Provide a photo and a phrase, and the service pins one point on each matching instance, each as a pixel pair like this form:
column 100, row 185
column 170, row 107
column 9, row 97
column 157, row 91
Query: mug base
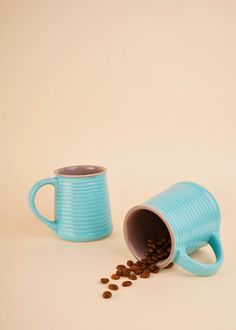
column 86, row 237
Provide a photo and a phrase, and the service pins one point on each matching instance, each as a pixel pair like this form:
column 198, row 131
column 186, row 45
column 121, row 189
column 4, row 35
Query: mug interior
column 142, row 224
column 80, row 170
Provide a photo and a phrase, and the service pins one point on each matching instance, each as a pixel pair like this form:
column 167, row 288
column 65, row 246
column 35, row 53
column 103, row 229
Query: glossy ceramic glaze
column 82, row 209
column 191, row 215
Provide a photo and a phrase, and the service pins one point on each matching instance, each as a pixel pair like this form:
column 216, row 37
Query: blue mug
column 82, row 208
column 189, row 215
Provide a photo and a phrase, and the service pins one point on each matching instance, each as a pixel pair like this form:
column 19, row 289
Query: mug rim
column 97, row 168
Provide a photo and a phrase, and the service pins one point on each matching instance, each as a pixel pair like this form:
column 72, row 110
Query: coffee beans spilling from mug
column 156, row 250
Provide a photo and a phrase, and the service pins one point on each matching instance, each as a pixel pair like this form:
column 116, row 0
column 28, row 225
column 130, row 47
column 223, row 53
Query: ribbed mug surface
column 82, row 208
column 192, row 213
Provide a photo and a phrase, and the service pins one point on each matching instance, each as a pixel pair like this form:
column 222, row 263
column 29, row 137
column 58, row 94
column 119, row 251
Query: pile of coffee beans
column 156, row 250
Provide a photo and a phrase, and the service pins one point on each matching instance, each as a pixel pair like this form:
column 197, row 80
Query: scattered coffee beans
column 113, row 287
column 156, row 250
column 107, row 294
column 104, row 280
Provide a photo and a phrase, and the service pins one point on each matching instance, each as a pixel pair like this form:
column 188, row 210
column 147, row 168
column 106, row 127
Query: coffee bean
column 149, row 241
column 130, row 263
column 150, row 250
column 125, row 272
column 120, row 267
column 104, row 280
column 115, row 277
column 138, row 271
column 146, row 270
column 145, row 275
column 119, row 272
column 132, row 277
column 153, row 268
column 154, row 259
column 126, row 283
column 169, row 266
column 138, row 263
column 113, row 287
column 156, row 271
column 107, row 294
column 134, row 267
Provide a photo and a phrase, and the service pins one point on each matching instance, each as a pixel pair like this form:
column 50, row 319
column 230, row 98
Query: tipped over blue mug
column 189, row 215
column 82, row 208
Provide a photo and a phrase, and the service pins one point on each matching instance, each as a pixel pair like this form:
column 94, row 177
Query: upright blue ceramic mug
column 82, row 208
column 186, row 212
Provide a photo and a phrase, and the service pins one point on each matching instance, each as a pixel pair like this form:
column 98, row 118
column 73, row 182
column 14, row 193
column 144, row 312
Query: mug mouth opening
column 143, row 223
column 80, row 171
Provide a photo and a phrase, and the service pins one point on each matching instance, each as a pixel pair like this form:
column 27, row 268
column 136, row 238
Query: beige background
column 146, row 88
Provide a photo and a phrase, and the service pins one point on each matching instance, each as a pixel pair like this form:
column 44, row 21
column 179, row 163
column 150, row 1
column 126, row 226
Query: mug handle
column 197, row 268
column 34, row 189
